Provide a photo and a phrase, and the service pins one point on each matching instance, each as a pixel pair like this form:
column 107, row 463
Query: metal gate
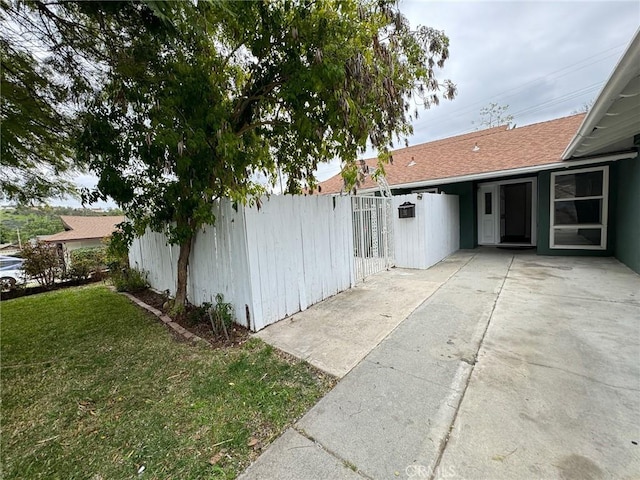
column 372, row 235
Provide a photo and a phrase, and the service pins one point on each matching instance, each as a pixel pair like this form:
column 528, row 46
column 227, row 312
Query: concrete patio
column 515, row 366
column 336, row 334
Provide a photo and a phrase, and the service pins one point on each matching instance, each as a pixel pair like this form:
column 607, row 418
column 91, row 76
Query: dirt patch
column 194, row 321
column 151, row 298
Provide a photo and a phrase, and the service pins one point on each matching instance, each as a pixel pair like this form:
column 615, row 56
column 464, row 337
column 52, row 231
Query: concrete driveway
column 517, row 366
column 555, row 392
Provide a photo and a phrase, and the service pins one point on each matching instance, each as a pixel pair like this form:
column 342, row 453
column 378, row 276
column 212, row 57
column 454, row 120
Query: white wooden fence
column 268, row 263
column 300, row 252
column 433, row 234
column 291, row 253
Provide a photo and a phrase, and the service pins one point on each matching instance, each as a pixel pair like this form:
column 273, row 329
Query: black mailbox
column 407, row 210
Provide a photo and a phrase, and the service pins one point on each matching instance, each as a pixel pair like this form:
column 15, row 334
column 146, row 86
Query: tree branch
column 251, row 126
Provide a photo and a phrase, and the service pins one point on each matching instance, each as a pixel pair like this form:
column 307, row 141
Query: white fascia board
column 624, row 71
column 508, row 173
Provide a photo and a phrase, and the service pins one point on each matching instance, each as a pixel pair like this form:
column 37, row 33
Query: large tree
column 246, row 87
column 53, row 56
column 196, row 98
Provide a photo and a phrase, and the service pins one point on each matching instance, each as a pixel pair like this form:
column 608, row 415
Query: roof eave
column 509, row 172
column 622, row 74
column 63, row 240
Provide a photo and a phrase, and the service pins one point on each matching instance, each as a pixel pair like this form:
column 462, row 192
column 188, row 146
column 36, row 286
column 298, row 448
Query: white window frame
column 427, row 190
column 605, row 210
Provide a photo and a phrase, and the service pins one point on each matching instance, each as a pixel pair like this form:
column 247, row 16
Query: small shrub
column 221, row 316
column 199, row 314
column 87, row 261
column 176, row 311
column 79, row 271
column 129, row 280
column 116, row 253
column 41, row 262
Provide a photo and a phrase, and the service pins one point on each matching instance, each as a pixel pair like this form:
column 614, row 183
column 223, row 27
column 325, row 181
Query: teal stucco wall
column 626, row 245
column 467, row 202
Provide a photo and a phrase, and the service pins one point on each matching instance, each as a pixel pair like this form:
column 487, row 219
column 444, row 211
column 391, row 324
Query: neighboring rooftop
column 492, row 150
column 84, row 228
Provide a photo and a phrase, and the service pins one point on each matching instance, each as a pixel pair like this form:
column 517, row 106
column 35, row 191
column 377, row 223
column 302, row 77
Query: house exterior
column 9, row 249
column 82, row 232
column 569, row 186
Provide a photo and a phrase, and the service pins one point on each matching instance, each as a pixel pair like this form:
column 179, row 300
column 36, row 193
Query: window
column 579, row 208
column 427, row 190
column 10, row 263
column 487, row 203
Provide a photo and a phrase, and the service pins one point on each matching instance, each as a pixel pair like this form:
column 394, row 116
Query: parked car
column 11, row 272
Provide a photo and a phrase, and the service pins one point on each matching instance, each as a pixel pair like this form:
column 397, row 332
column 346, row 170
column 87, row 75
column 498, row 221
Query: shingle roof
column 82, row 228
column 498, row 149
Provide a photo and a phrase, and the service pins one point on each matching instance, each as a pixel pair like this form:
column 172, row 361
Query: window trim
column 427, row 190
column 603, row 226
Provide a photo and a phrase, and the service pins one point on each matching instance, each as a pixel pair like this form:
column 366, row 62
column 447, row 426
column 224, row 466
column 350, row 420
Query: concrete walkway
column 336, row 334
column 517, row 366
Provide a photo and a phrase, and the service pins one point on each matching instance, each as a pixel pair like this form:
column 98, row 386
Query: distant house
column 9, row 249
column 569, row 186
column 83, row 232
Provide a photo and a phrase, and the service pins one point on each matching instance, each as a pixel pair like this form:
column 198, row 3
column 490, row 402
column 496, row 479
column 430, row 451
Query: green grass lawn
column 94, row 388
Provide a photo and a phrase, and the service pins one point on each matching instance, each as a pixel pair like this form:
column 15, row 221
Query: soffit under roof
column 614, row 120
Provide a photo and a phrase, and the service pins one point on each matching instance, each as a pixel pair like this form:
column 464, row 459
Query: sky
column 543, row 59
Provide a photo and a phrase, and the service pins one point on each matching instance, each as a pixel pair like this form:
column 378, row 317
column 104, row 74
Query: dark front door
column 515, row 213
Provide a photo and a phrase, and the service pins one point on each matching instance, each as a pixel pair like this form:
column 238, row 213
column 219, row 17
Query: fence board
column 218, row 262
column 431, row 235
column 291, row 242
column 152, row 254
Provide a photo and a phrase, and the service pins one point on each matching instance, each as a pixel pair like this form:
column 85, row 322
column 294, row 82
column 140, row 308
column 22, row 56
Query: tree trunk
column 183, row 270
